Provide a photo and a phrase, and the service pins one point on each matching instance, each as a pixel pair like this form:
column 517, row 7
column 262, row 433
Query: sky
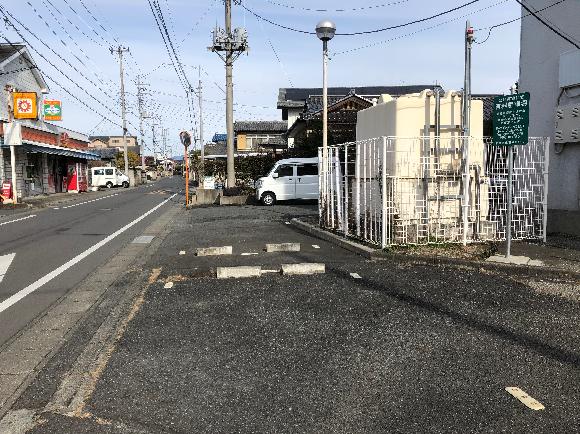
column 70, row 42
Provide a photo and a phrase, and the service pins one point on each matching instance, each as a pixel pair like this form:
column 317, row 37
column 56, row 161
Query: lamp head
column 325, row 30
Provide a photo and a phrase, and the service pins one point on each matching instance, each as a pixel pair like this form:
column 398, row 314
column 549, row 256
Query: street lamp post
column 325, row 31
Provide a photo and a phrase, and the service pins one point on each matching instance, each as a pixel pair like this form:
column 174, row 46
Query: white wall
column 23, row 81
column 539, row 69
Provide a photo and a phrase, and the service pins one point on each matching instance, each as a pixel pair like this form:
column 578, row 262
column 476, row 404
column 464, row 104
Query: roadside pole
column 201, row 142
column 186, row 138
column 12, row 147
column 509, row 202
column 466, row 127
column 120, row 50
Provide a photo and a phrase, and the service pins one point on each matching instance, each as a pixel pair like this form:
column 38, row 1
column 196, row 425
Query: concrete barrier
column 283, row 247
column 304, row 268
column 238, row 272
column 214, row 251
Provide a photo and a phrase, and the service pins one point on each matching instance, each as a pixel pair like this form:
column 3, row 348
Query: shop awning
column 44, row 148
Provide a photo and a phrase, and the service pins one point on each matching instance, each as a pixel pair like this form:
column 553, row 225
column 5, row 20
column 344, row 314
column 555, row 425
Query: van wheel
column 109, row 184
column 125, row 184
column 268, row 199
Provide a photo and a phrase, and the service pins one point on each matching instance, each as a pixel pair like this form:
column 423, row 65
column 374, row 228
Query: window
column 116, row 141
column 99, row 172
column 109, row 171
column 285, row 171
column 308, row 169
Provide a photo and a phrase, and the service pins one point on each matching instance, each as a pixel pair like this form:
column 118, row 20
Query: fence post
column 346, row 193
column 384, row 194
column 357, row 185
column 546, row 172
column 338, row 189
column 466, row 189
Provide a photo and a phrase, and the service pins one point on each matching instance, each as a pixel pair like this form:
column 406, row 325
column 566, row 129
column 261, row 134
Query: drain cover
column 143, row 239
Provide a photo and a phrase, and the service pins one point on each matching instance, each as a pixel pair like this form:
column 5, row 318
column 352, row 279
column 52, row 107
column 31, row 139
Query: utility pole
column 469, row 38
column 140, row 89
column 201, row 142
column 120, row 50
column 233, row 44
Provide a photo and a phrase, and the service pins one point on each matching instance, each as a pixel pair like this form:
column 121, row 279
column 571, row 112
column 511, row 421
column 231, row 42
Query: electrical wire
column 366, row 32
column 362, row 8
column 511, row 21
column 560, row 34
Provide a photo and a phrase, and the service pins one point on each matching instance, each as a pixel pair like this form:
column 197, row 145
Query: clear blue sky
column 421, row 53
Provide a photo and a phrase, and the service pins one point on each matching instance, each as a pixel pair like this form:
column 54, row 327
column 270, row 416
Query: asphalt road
column 396, row 347
column 46, row 239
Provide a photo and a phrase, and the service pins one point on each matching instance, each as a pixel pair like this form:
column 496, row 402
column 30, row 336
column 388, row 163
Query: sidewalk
column 368, row 346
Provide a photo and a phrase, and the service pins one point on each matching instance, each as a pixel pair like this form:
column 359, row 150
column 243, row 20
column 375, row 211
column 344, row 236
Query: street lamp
column 325, row 31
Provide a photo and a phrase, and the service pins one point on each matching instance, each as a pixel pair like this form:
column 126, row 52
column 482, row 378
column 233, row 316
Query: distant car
column 108, row 177
column 292, row 178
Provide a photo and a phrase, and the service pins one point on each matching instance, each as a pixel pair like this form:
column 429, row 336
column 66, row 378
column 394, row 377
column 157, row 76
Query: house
column 550, row 71
column 115, row 142
column 302, row 108
column 260, row 137
column 48, row 158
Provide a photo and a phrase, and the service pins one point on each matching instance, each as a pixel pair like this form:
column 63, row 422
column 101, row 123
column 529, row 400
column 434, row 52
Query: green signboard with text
column 511, row 119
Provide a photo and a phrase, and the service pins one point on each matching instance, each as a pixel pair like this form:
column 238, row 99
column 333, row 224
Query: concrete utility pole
column 11, row 120
column 469, row 38
column 201, row 142
column 140, row 89
column 233, row 44
column 120, row 50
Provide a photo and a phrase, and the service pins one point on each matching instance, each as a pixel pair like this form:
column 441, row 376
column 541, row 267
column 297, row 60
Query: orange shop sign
column 25, row 105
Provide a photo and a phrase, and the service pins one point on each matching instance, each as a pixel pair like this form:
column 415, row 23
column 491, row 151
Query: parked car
column 293, row 178
column 108, row 177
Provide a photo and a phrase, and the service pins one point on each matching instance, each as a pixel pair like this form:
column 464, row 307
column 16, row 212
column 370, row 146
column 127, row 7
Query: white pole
column 357, row 185
column 466, row 127
column 509, row 202
column 346, row 192
column 546, row 142
column 325, row 113
column 13, row 167
column 384, row 195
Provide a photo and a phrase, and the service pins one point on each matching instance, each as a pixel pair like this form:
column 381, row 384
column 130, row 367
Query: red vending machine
column 77, row 177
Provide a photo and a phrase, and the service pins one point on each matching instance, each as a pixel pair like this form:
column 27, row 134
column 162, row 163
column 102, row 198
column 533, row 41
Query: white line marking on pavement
column 88, row 201
column 270, row 271
column 47, row 278
column 287, row 223
column 168, row 285
column 5, row 262
column 249, row 254
column 524, row 398
column 182, row 252
column 18, row 220
column 316, row 246
column 355, row 275
column 143, row 239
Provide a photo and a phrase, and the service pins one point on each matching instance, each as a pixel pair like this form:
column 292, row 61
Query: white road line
column 168, row 285
column 524, row 398
column 355, row 275
column 182, row 252
column 47, row 278
column 5, row 262
column 316, row 246
column 88, row 201
column 249, row 254
column 18, row 220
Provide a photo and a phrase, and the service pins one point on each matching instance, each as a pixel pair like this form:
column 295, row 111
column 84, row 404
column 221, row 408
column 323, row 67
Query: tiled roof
column 211, row 149
column 296, row 97
column 261, row 126
column 106, row 138
column 217, row 137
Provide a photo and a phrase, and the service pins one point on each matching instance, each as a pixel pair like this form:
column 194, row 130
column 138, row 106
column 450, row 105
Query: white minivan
column 108, row 177
column 293, row 178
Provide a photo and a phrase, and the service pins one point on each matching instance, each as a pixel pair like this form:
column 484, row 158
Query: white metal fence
column 392, row 190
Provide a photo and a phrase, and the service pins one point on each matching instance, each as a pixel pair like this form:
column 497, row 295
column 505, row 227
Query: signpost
column 185, row 137
column 25, row 106
column 511, row 119
column 52, row 110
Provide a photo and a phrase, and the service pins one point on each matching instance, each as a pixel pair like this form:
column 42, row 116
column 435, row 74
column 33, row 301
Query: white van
column 293, row 178
column 108, row 177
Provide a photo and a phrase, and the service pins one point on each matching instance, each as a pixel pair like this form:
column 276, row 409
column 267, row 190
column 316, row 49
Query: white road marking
column 168, row 285
column 316, row 246
column 143, row 239
column 47, row 278
column 249, row 254
column 18, row 220
column 287, row 223
column 524, row 398
column 355, row 275
column 88, row 201
column 182, row 252
column 5, row 262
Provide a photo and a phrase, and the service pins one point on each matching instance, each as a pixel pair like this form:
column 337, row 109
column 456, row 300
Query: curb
column 376, row 254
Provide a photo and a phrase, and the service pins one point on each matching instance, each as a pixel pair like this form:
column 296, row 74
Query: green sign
column 511, row 119
column 52, row 110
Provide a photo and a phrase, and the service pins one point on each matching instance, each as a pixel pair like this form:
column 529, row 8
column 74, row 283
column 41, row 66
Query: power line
column 361, row 8
column 366, row 32
column 495, row 26
column 560, row 34
column 406, row 35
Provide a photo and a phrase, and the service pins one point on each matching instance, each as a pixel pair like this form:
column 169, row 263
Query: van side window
column 308, row 169
column 109, row 171
column 99, row 172
column 285, row 171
